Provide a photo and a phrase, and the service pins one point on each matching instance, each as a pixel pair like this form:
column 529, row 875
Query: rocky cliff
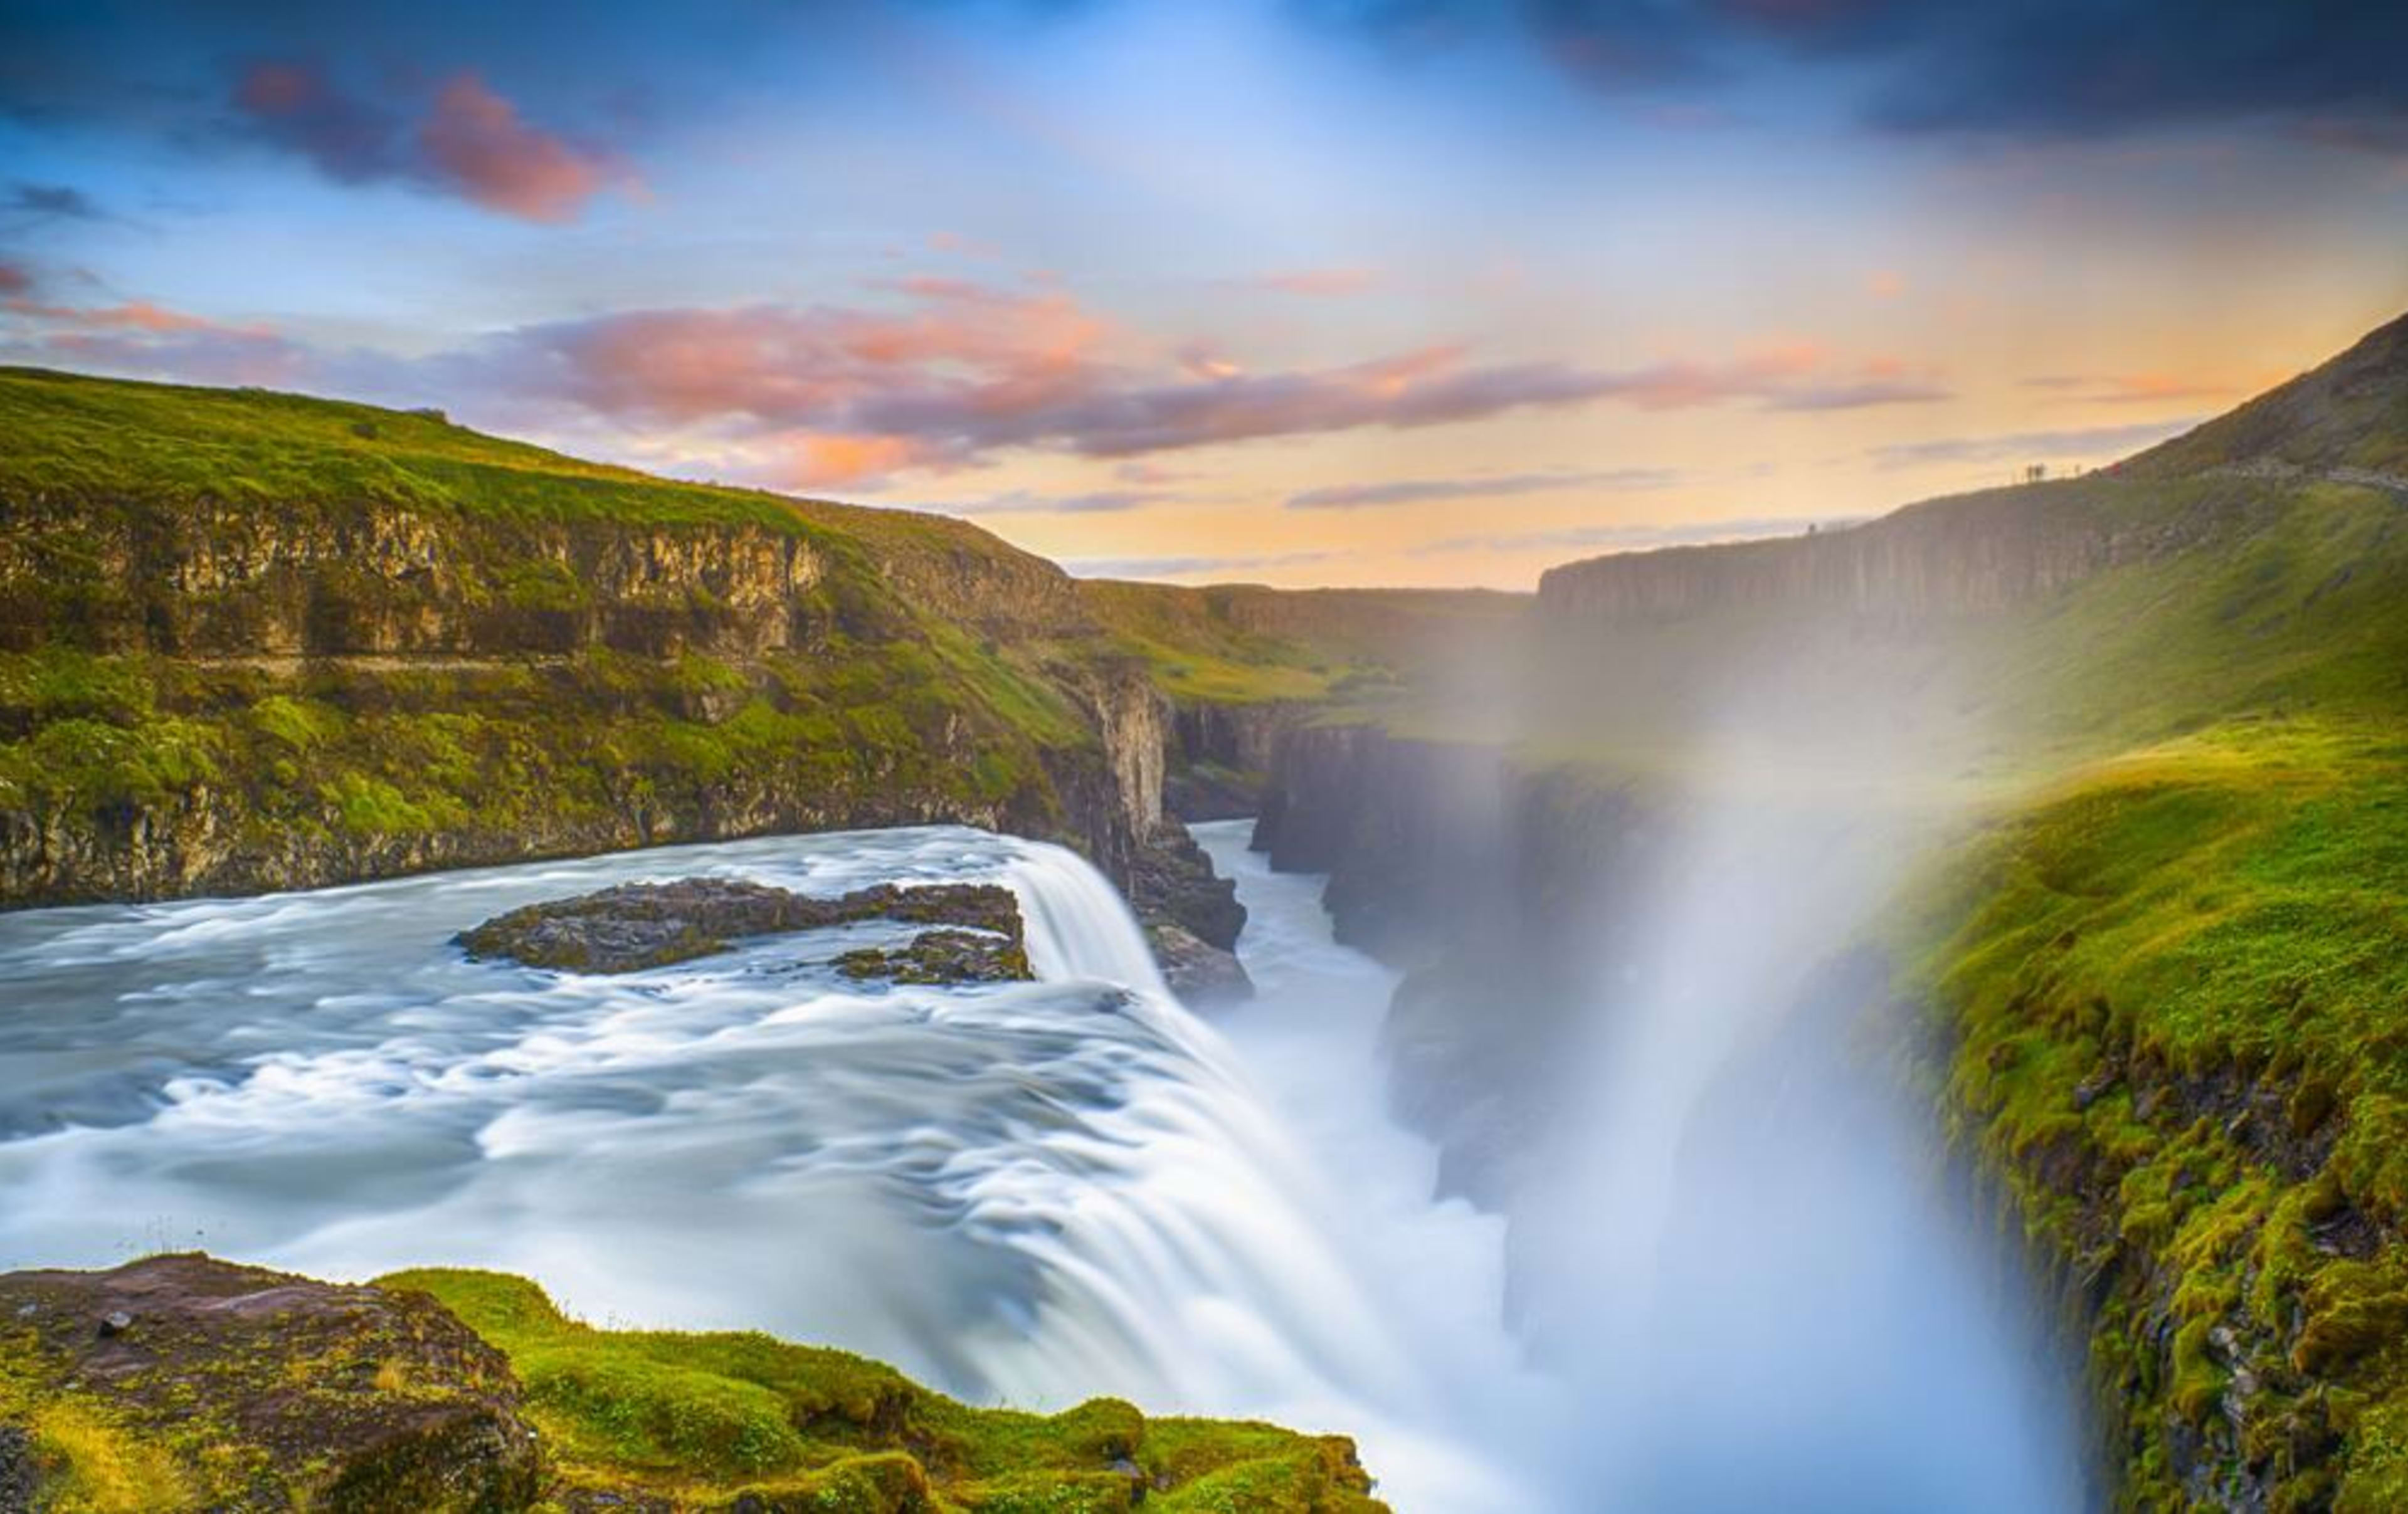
column 1974, row 555
column 254, row 641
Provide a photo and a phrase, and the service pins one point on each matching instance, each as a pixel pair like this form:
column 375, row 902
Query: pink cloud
column 470, row 141
column 135, row 315
column 833, row 461
column 963, row 371
column 2130, row 388
column 475, row 139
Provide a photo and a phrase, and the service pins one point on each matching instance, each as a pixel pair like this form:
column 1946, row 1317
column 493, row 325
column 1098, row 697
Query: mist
column 1740, row 1240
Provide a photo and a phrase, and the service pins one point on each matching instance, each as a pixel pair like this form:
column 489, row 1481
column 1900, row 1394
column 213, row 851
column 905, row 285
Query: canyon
column 2119, row 989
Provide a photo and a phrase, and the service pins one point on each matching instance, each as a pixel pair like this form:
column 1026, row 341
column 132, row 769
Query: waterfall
column 1027, row 1194
column 1078, row 926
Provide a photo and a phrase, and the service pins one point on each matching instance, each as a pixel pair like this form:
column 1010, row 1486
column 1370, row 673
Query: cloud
column 50, row 202
column 2035, row 446
column 2061, row 69
column 2127, row 388
column 1859, row 394
column 137, row 315
column 470, row 142
column 1188, row 567
column 1629, row 537
column 1417, row 491
column 2034, row 70
column 141, row 338
column 1794, row 378
column 1322, row 283
column 829, row 462
column 951, row 373
column 475, row 139
column 130, row 315
column 298, row 107
column 1022, row 502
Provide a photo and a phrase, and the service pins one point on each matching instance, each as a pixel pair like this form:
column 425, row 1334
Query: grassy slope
column 1341, row 648
column 702, row 1419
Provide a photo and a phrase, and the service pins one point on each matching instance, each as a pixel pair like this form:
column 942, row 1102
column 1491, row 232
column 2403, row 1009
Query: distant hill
column 2348, row 414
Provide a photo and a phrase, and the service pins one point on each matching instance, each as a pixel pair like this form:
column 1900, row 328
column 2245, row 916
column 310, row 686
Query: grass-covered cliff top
column 183, row 1383
column 116, row 438
column 2173, row 1002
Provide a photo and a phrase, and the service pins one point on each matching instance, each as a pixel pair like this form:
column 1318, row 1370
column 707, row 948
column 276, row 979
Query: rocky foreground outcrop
column 186, row 1383
column 183, row 1382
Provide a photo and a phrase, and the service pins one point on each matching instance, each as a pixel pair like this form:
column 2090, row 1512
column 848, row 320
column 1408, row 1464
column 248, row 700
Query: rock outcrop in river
column 633, row 926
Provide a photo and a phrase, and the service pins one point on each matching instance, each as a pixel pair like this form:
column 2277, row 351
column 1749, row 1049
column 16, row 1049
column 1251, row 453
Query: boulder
column 183, row 1381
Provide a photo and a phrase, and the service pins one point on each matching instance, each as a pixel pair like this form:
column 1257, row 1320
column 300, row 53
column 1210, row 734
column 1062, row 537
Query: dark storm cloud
column 2025, row 69
column 2059, row 67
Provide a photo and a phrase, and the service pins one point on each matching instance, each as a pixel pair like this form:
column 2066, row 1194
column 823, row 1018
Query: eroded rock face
column 633, row 927
column 203, row 1384
column 1172, row 882
column 1200, row 973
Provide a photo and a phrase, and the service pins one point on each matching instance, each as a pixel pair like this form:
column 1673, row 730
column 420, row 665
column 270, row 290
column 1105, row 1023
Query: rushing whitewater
column 1027, row 1194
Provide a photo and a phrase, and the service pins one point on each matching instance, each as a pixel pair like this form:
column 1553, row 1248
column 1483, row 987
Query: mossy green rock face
column 182, row 1382
column 185, row 1382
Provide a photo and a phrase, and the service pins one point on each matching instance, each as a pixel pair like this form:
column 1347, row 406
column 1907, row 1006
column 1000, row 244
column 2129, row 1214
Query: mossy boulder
column 185, row 1382
column 942, row 956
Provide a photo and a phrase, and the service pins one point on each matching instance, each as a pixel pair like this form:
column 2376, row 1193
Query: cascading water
column 1028, row 1193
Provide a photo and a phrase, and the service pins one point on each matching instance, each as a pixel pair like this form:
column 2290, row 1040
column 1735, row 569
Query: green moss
column 713, row 1416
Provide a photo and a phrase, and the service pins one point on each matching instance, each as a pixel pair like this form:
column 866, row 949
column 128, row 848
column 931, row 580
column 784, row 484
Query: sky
column 1297, row 292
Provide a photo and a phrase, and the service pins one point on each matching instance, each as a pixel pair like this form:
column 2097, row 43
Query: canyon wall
column 1974, row 555
column 209, row 697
